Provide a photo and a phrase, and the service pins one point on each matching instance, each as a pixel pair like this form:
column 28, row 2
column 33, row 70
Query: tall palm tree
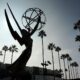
column 1, row 53
column 72, row 65
column 77, row 25
column 77, row 39
column 58, row 49
column 79, row 49
column 75, row 66
column 5, row 48
column 42, row 34
column 77, row 76
column 63, row 56
column 66, row 70
column 13, row 49
column 51, row 46
column 67, row 57
column 70, row 71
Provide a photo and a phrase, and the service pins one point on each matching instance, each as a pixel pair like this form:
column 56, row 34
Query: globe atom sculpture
column 30, row 17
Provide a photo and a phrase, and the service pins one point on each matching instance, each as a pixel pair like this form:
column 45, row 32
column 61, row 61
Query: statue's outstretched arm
column 35, row 28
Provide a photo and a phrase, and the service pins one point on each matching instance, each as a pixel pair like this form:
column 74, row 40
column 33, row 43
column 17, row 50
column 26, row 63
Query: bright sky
column 61, row 16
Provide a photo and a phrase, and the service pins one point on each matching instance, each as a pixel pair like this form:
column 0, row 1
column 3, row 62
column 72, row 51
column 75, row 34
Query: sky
column 61, row 16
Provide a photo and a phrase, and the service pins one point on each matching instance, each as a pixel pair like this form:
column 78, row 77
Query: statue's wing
column 9, row 25
column 14, row 17
column 14, row 33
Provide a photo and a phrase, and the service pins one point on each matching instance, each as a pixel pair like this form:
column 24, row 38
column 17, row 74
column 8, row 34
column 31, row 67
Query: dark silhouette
column 17, row 69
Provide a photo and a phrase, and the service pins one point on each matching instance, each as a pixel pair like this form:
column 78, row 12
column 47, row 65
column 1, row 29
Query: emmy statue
column 32, row 21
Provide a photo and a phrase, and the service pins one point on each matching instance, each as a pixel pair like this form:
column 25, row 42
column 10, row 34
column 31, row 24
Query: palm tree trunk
column 4, row 57
column 76, row 72
column 53, row 63
column 70, row 73
column 68, row 68
column 64, row 69
column 77, row 75
column 12, row 58
column 59, row 61
column 43, row 54
column 73, row 73
column 52, row 59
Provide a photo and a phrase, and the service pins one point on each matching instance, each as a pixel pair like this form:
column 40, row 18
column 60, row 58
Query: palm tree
column 58, row 49
column 79, row 49
column 67, row 56
column 76, row 71
column 77, row 76
column 5, row 48
column 42, row 34
column 1, row 53
column 51, row 46
column 73, row 65
column 63, row 56
column 66, row 72
column 13, row 49
column 70, row 71
column 77, row 39
column 77, row 25
column 47, row 63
